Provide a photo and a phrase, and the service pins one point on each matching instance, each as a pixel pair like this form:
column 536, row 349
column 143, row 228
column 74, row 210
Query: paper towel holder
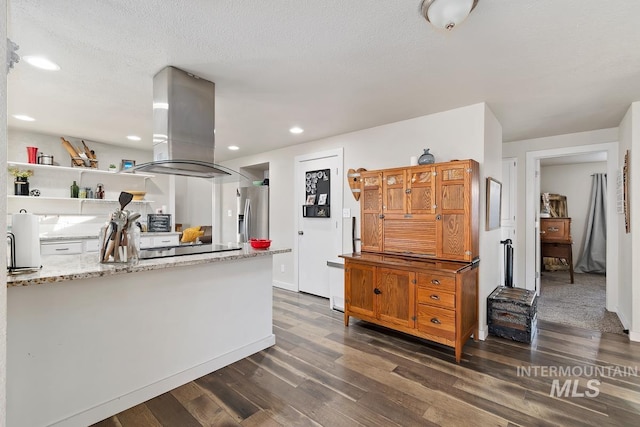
column 11, row 268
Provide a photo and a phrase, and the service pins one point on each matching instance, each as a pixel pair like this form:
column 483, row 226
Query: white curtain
column 594, row 254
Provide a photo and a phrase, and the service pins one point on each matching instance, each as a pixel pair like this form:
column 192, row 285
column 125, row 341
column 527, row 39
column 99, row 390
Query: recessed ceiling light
column 160, row 105
column 296, row 129
column 133, row 138
column 233, row 147
column 24, row 118
column 42, row 63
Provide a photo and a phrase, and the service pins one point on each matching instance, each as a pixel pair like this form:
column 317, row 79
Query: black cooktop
column 204, row 248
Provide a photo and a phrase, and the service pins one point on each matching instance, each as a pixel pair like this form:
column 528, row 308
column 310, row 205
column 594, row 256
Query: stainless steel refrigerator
column 253, row 213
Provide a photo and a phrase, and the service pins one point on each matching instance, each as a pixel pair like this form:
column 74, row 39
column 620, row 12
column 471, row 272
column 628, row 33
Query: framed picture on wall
column 494, row 202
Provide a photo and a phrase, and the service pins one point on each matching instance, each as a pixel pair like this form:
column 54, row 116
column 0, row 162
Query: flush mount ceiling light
column 134, row 138
column 446, row 14
column 233, row 147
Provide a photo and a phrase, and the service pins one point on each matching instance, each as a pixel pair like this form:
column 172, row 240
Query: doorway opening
column 532, row 230
column 572, row 222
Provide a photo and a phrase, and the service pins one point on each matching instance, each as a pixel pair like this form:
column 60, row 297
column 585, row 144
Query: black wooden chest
column 512, row 313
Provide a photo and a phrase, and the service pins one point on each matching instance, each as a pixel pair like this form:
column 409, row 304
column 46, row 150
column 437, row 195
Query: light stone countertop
column 60, row 268
column 66, row 238
column 48, row 239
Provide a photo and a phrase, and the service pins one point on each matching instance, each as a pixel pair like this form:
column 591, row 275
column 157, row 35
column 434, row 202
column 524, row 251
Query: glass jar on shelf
column 99, row 194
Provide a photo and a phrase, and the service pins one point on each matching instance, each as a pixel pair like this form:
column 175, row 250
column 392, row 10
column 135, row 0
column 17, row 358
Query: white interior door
column 319, row 238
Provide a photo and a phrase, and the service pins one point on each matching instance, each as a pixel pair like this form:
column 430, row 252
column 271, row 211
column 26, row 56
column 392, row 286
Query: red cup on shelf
column 32, row 152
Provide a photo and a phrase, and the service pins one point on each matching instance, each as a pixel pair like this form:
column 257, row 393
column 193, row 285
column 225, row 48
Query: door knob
column 377, row 291
column 300, row 232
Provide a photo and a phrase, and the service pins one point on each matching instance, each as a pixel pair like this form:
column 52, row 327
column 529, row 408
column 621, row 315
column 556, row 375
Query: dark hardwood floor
column 321, row 373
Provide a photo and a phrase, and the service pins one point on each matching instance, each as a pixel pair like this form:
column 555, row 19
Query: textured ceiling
column 544, row 67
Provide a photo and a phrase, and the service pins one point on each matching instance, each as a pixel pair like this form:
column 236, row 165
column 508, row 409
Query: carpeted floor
column 581, row 304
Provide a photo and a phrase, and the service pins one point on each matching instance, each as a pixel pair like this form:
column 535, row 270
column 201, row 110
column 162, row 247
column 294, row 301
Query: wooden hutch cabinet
column 417, row 270
column 422, row 210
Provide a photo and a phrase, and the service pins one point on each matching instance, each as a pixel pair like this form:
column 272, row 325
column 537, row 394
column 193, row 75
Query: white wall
column 454, row 134
column 519, row 149
column 490, row 247
column 574, row 181
column 193, row 201
column 3, row 214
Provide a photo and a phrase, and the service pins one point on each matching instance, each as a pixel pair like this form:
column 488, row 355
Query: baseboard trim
column 623, row 320
column 285, row 286
column 483, row 333
column 120, row 403
column 634, row 336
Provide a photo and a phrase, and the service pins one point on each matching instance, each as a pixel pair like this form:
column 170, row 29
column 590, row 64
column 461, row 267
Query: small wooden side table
column 558, row 250
column 555, row 240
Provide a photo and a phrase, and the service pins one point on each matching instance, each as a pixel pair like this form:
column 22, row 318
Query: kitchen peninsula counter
column 87, row 340
column 60, row 268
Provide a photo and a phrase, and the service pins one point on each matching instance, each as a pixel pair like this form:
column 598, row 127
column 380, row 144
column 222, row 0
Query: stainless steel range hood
column 183, row 127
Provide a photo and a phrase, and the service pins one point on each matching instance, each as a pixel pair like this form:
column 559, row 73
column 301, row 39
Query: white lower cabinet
column 159, row 240
column 146, row 242
column 71, row 247
column 91, row 245
column 61, row 248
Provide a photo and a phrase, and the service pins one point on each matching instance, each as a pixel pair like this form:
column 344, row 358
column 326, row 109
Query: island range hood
column 183, row 127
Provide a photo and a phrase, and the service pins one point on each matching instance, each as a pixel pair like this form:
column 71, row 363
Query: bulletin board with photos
column 317, row 194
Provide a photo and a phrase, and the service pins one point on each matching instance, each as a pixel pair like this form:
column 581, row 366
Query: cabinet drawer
column 61, row 248
column 160, row 241
column 556, row 250
column 436, row 297
column 437, row 282
column 555, row 229
column 437, row 321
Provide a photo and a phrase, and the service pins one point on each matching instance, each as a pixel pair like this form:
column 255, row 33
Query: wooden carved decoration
column 353, row 177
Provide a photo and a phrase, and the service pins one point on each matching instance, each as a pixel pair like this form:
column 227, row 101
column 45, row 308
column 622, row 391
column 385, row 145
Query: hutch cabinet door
column 422, row 190
column 454, row 226
column 371, row 211
column 394, row 191
column 395, row 297
column 359, row 289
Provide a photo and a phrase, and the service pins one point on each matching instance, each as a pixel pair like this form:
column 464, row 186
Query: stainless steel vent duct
column 183, row 126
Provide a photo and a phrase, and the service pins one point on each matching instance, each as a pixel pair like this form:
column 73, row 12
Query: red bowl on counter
column 260, row 243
